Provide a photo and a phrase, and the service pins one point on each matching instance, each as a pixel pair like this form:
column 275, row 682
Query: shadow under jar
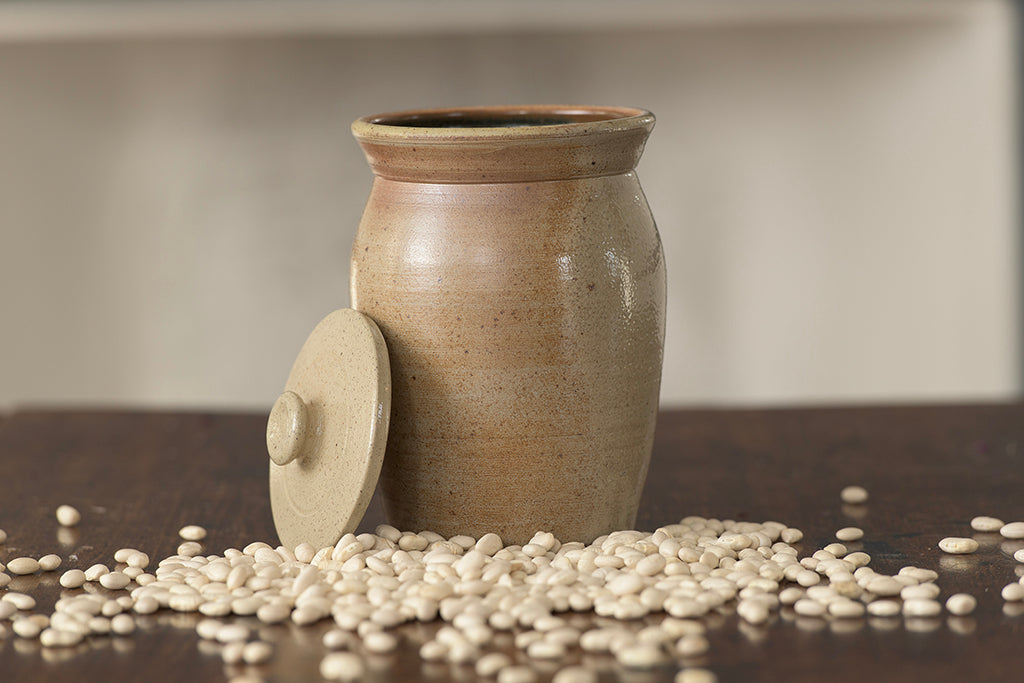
column 511, row 261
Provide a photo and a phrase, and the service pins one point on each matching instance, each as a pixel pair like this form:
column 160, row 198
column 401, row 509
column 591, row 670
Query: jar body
column 525, row 326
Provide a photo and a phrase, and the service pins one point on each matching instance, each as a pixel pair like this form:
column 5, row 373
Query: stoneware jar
column 510, row 260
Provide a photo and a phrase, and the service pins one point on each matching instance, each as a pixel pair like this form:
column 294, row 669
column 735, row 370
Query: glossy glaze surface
column 524, row 319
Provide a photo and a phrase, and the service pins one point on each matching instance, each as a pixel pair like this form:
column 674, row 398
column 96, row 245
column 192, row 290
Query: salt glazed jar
column 512, row 265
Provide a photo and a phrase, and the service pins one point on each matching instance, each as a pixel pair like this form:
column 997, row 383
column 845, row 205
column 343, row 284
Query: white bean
column 122, row 624
column 26, row 628
column 958, row 546
column 380, row 642
column 927, row 591
column 489, row 544
column 22, row 601
column 883, row 608
column 192, row 532
column 920, row 607
column 692, row 645
column 809, row 608
column 229, row 633
column 114, row 580
column 575, row 674
column 190, row 548
column 232, row 652
column 94, row 572
column 850, row 533
column 490, row 664
column 517, row 674
column 68, row 515
column 121, row 554
column 695, row 676
column 854, row 495
column 987, row 524
column 22, row 566
column 146, row 605
column 335, row 638
column 846, row 609
column 72, row 578
column 137, row 560
column 257, row 652
column 1013, row 592
column 273, row 612
column 961, row 604
column 433, row 651
column 640, row 656
column 342, row 666
column 207, row 629
column 50, row 562
column 1012, row 530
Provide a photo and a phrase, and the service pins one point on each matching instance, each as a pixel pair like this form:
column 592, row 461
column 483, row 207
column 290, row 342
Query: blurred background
column 836, row 184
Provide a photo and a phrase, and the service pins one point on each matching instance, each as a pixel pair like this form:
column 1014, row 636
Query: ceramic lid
column 327, row 431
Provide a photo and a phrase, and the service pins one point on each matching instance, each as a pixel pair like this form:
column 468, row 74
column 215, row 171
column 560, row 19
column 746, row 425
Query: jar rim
column 490, row 123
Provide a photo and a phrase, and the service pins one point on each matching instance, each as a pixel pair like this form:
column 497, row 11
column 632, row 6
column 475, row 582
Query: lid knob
column 286, row 428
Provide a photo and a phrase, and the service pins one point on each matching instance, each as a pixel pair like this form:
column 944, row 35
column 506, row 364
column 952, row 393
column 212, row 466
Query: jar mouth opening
column 499, row 121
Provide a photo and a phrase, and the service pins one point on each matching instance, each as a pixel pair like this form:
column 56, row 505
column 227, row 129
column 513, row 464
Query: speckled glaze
column 510, row 259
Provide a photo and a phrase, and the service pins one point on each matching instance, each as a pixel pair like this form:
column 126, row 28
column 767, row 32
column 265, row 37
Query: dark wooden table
column 139, row 476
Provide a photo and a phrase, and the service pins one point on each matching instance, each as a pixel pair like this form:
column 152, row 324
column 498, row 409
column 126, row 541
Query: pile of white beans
column 368, row 584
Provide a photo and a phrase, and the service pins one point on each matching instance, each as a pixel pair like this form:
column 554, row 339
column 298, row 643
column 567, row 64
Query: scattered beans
column 68, row 515
column 958, row 546
column 854, row 495
column 370, row 583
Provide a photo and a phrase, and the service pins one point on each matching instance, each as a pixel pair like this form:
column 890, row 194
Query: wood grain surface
column 137, row 477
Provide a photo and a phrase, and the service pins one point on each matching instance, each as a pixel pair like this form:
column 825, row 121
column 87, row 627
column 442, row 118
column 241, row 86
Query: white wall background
column 837, row 199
